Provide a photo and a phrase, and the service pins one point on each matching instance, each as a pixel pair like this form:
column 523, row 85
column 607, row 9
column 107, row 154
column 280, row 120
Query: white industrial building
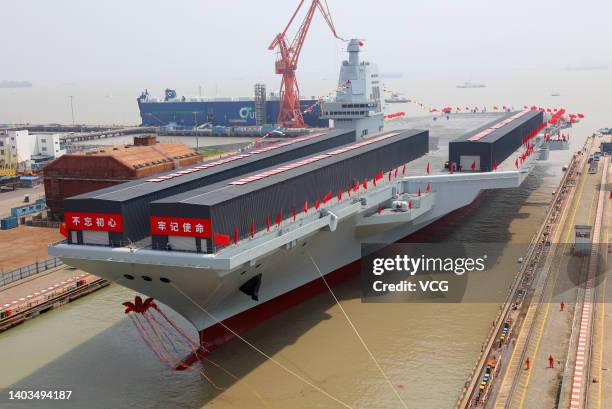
column 22, row 147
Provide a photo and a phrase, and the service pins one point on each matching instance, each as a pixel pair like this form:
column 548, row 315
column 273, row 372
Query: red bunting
column 494, row 165
column 221, row 239
column 340, row 194
column 409, row 204
column 253, row 229
column 473, row 165
column 428, row 168
column 306, row 206
column 451, row 167
column 356, row 186
column 327, row 197
column 279, row 218
column 317, row 204
column 235, row 235
column 379, row 209
column 404, row 169
column 268, row 223
column 516, row 163
column 428, row 188
column 395, row 175
column 293, row 211
column 365, row 183
column 419, row 192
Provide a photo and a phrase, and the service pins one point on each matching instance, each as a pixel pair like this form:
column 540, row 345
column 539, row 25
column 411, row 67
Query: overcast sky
column 154, row 41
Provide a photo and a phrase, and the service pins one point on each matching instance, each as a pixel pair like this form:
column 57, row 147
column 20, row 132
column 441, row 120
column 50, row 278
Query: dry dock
column 541, row 354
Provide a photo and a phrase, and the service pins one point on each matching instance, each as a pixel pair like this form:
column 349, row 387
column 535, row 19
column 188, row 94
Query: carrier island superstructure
column 230, row 242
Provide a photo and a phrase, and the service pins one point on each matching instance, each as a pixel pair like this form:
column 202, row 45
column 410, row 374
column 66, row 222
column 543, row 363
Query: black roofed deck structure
column 126, row 206
column 238, row 208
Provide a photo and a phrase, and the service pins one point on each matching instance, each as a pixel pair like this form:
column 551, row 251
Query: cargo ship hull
column 219, row 113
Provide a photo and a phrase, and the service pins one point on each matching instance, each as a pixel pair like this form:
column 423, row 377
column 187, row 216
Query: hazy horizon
column 105, row 53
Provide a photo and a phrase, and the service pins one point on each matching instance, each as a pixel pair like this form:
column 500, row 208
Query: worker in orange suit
column 551, row 362
column 527, row 364
column 562, row 306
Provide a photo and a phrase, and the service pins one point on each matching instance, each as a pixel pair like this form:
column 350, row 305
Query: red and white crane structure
column 290, row 114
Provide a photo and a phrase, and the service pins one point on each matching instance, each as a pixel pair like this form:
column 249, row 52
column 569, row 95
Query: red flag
column 317, row 204
column 494, row 165
column 473, row 165
column 340, row 194
column 279, row 218
column 236, row 235
column 404, row 169
column 428, row 188
column 293, row 211
column 365, row 183
column 221, row 239
column 327, row 197
column 306, row 206
column 253, row 229
column 428, row 168
column 268, row 223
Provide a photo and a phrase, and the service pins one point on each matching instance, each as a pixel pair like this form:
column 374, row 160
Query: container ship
column 183, row 112
column 231, row 242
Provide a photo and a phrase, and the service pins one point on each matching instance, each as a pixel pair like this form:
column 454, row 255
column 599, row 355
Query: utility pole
column 72, row 109
column 195, row 128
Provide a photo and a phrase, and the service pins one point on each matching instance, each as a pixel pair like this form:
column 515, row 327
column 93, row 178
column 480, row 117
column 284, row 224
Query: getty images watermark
column 460, row 272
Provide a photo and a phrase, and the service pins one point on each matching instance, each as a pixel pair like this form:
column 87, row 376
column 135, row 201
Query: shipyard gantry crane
column 290, row 114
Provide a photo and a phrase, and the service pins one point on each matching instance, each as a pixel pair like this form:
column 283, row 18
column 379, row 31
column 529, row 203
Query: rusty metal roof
column 138, row 157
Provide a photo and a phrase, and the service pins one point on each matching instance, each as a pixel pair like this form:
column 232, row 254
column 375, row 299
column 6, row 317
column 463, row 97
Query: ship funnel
column 353, row 49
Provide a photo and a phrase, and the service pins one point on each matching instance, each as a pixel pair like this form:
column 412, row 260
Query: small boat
column 395, row 98
column 471, row 85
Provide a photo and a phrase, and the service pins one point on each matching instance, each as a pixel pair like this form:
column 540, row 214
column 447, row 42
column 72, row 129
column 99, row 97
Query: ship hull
column 219, row 113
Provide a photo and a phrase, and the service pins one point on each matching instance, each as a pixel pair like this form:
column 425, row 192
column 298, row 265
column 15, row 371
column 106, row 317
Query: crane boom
column 290, row 114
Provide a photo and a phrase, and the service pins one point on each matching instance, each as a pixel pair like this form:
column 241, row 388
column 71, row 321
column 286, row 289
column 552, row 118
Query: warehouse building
column 81, row 172
column 483, row 148
column 126, row 207
column 241, row 207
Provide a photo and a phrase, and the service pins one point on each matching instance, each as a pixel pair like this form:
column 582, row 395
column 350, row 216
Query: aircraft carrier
column 233, row 241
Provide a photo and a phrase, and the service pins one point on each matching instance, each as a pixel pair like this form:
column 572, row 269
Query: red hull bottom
column 216, row 335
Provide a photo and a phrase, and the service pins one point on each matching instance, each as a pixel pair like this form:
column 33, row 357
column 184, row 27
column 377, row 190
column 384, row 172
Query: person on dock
column 551, row 362
column 562, row 306
column 527, row 364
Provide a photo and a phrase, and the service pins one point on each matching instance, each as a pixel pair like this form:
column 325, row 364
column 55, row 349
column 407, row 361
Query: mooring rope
column 277, row 363
column 357, row 333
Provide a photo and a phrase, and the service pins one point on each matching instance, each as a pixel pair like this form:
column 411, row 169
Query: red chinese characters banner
column 180, row 226
column 93, row 221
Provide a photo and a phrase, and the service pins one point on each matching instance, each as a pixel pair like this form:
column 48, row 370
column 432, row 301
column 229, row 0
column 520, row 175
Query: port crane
column 290, row 114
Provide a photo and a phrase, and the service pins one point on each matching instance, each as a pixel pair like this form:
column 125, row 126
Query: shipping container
column 9, row 223
column 126, row 206
column 494, row 142
column 251, row 203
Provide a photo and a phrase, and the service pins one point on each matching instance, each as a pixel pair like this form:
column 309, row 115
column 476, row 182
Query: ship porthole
column 129, row 276
column 146, row 278
column 164, row 280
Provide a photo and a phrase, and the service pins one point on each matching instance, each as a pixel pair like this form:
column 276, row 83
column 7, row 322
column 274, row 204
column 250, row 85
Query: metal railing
column 29, row 270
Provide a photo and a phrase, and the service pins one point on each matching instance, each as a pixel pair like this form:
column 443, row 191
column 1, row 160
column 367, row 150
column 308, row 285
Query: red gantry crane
column 290, row 114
